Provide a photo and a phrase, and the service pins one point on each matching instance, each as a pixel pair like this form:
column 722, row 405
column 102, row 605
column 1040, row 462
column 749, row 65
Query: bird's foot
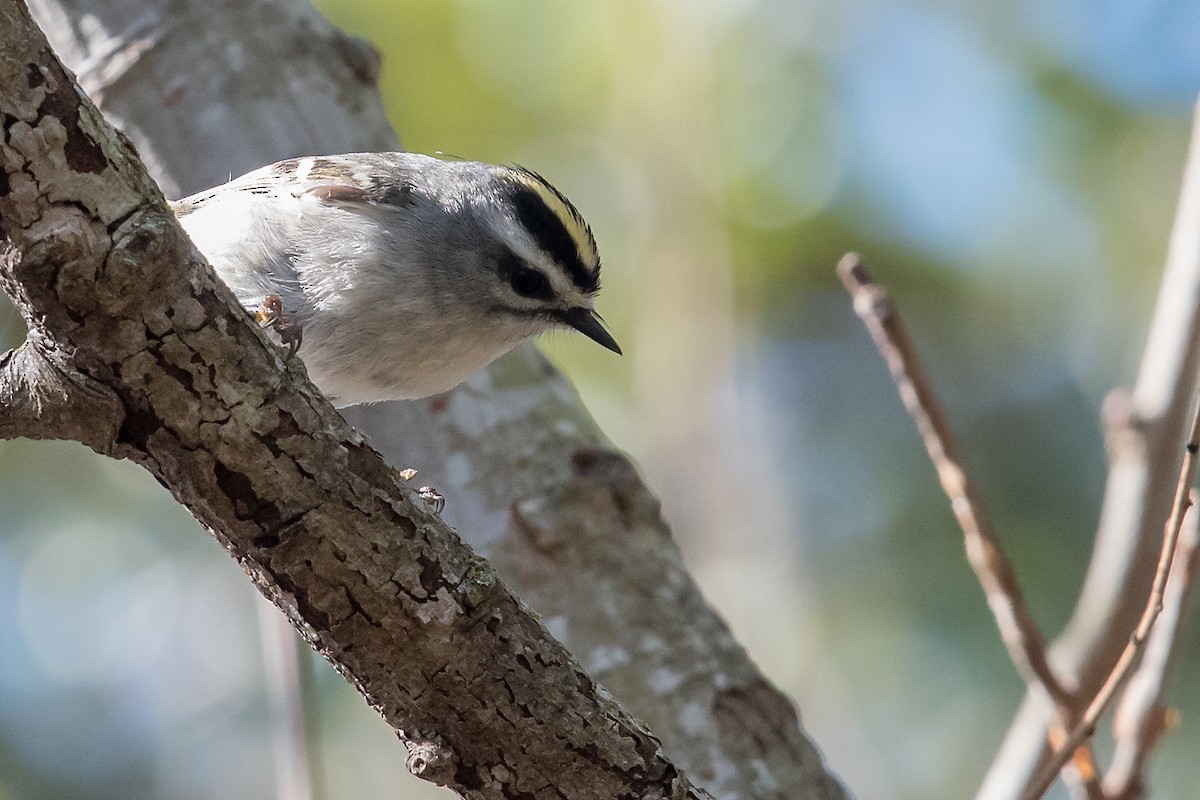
column 432, row 497
column 270, row 314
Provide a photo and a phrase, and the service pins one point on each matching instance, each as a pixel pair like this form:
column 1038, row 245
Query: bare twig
column 1026, row 646
column 1140, row 719
column 1137, row 496
column 1086, row 726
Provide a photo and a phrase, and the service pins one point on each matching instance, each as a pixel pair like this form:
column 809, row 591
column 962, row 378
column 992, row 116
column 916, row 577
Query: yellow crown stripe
column 571, row 219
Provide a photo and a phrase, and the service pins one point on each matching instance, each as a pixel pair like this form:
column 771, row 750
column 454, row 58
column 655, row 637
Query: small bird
column 398, row 275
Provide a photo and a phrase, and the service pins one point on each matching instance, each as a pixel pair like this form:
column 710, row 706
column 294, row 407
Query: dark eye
column 529, row 283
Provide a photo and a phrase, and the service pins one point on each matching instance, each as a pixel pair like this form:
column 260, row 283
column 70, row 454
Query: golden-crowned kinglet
column 405, row 273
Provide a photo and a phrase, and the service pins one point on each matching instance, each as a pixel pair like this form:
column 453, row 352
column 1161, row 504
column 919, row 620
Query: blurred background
column 1009, row 171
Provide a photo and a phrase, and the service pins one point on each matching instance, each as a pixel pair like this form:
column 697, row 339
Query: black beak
column 588, row 322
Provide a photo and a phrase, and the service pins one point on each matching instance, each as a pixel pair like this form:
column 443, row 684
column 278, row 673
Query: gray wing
column 376, row 178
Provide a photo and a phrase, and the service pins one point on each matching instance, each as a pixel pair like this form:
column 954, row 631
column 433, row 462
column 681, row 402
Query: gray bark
column 208, row 90
column 122, row 302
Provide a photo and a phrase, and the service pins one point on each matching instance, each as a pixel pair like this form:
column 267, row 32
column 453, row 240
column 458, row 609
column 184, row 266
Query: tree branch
column 247, row 444
column 1141, row 720
column 43, row 396
column 531, row 482
column 1086, row 725
column 1137, row 498
column 1017, row 627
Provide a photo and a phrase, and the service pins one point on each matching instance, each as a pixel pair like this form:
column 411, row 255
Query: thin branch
column 1026, row 646
column 1141, row 720
column 1154, row 605
column 1137, row 496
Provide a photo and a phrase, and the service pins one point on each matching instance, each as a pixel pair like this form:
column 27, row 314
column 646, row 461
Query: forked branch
column 1141, row 720
column 1021, row 636
column 1151, row 422
column 1086, row 725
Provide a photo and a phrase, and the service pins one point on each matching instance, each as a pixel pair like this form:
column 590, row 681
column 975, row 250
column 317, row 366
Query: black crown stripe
column 551, row 235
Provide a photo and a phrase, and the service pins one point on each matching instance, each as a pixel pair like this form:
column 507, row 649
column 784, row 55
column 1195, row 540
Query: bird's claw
column 432, row 497
column 269, row 314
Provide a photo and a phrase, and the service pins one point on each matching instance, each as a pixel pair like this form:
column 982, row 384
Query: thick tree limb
column 247, row 444
column 531, row 482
